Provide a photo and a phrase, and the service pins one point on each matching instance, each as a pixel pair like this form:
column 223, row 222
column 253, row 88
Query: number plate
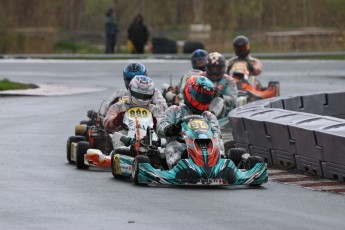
column 138, row 112
column 197, row 124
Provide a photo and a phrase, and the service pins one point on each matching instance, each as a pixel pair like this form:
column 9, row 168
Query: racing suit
column 254, row 64
column 114, row 117
column 226, row 86
column 157, row 99
column 173, row 115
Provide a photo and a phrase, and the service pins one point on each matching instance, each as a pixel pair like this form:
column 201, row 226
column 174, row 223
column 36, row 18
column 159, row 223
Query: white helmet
column 141, row 90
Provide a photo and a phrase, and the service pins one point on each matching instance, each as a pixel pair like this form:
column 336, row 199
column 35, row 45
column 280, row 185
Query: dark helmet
column 241, row 46
column 215, row 66
column 131, row 70
column 198, row 93
column 198, row 59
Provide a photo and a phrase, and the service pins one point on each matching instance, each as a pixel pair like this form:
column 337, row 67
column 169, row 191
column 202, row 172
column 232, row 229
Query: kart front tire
column 235, row 154
column 135, row 167
column 82, row 148
column 113, row 165
column 252, row 161
column 70, row 140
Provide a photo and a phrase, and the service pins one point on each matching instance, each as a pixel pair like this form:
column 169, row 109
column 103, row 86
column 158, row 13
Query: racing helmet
column 198, row 59
column 131, row 70
column 215, row 66
column 198, row 93
column 141, row 90
column 241, row 46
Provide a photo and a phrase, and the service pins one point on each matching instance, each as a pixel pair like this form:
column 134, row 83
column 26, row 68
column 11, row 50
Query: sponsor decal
column 212, row 181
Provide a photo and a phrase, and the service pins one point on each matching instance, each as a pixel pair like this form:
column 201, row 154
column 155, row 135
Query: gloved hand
column 92, row 114
column 217, row 94
column 128, row 141
column 173, row 130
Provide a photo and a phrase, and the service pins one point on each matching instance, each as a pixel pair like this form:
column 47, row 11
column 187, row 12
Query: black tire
column 275, row 84
column 161, row 45
column 82, row 148
column 235, row 154
column 190, row 46
column 70, row 140
column 135, row 167
column 228, row 145
column 84, row 122
column 252, row 161
column 113, row 166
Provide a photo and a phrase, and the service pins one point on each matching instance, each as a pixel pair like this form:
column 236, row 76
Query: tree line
column 36, row 25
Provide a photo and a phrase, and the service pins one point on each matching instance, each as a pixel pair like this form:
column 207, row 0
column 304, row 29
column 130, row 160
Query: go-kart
column 88, row 134
column 250, row 89
column 137, row 123
column 202, row 164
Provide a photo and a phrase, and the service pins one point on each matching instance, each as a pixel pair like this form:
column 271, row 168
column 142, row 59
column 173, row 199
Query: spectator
column 110, row 31
column 138, row 34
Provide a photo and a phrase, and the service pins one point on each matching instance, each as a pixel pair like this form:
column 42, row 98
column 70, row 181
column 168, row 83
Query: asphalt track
column 40, row 190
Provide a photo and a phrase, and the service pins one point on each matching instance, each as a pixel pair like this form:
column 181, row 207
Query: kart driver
column 129, row 72
column 198, row 94
column 225, row 85
column 242, row 51
column 198, row 60
column 141, row 91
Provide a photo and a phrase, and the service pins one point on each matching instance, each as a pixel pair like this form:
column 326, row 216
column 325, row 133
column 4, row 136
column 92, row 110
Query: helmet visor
column 242, row 50
column 199, row 62
column 141, row 96
column 214, row 72
column 202, row 94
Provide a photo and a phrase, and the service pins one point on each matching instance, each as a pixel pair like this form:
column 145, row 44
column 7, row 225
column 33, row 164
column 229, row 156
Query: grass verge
column 6, row 84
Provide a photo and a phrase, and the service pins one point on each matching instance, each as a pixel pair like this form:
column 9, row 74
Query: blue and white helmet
column 141, row 90
column 131, row 70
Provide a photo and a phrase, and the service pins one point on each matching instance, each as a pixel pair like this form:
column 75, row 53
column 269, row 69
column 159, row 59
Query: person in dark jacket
column 110, row 31
column 138, row 34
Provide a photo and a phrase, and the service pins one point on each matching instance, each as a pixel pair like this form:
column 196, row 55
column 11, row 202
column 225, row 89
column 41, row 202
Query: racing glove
column 217, row 94
column 128, row 141
column 172, row 130
column 92, row 114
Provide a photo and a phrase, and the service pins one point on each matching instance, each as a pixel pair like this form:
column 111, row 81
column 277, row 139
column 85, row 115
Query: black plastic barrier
column 304, row 132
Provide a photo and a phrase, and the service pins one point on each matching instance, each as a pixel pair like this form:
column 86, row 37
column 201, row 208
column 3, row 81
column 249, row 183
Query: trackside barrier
column 303, row 131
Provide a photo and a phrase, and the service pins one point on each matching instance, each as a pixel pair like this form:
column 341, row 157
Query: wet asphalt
column 40, row 190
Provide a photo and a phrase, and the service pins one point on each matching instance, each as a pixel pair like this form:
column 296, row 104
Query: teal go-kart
column 203, row 164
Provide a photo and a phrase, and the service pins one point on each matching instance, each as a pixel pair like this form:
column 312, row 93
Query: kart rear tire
column 276, row 85
column 135, row 167
column 235, row 154
column 70, row 140
column 82, row 148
